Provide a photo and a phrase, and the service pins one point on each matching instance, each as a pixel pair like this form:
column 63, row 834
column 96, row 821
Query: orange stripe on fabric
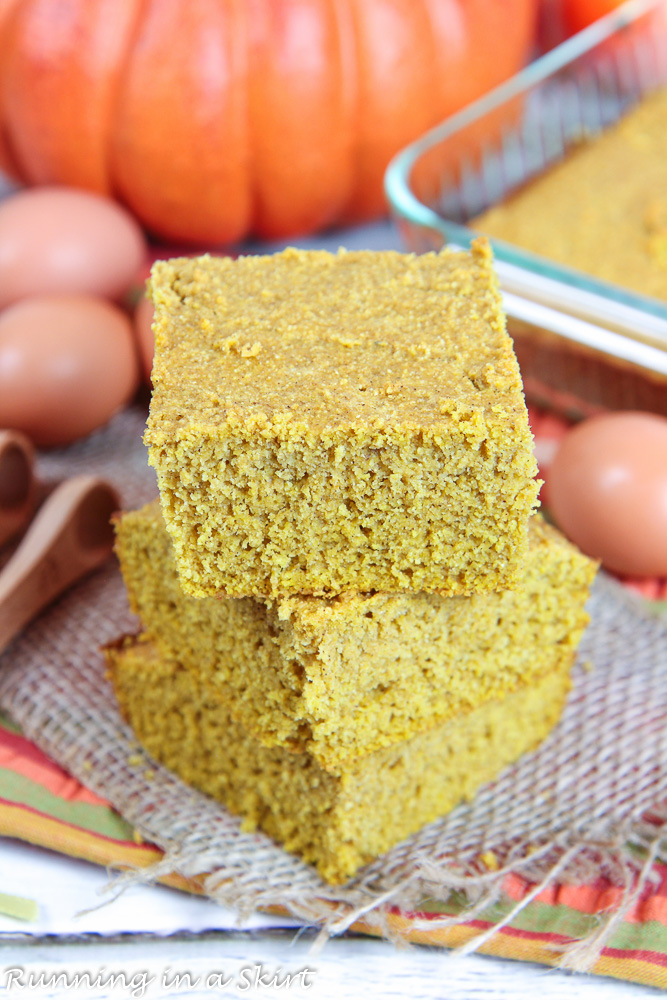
column 600, row 897
column 633, row 970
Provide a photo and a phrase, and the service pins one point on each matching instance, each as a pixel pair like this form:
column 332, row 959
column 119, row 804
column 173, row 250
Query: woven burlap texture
column 588, row 802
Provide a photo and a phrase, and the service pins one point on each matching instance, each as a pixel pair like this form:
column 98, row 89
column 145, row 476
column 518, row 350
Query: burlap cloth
column 589, row 802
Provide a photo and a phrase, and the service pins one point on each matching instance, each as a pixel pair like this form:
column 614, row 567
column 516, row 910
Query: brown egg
column 67, row 364
column 60, row 240
column 608, row 491
column 143, row 320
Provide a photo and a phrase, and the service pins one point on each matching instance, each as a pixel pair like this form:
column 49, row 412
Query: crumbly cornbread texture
column 325, row 422
column 604, row 209
column 339, row 677
column 337, row 820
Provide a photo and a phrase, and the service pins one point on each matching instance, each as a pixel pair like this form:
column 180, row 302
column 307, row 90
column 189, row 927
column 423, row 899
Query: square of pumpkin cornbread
column 340, row 677
column 325, row 422
column 339, row 819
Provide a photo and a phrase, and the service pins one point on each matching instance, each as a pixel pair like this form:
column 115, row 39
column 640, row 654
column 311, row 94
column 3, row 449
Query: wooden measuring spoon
column 71, row 535
column 17, row 483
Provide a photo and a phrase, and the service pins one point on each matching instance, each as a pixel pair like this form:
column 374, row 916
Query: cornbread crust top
column 313, row 415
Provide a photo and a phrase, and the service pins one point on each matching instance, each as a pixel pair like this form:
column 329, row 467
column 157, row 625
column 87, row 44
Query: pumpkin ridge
column 352, row 96
column 393, row 93
column 9, row 161
column 62, row 59
column 114, row 99
column 303, row 160
column 180, row 154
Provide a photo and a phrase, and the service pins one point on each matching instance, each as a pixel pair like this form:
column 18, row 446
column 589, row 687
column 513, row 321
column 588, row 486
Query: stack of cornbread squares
column 352, row 618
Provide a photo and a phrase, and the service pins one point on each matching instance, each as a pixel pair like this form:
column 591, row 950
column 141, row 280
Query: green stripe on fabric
column 544, row 918
column 547, row 918
column 648, row 936
column 93, row 818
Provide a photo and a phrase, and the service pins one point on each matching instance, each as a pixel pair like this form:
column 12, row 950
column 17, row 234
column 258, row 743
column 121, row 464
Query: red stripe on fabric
column 519, row 933
column 639, row 954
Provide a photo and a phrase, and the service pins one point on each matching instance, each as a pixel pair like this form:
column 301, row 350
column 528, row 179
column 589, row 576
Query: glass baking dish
column 583, row 344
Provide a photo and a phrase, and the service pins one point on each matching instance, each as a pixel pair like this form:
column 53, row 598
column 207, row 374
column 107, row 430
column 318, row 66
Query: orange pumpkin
column 213, row 118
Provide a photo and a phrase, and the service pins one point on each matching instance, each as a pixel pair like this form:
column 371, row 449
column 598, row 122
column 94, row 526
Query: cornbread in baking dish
column 339, row 677
column 602, row 210
column 325, row 422
column 337, row 819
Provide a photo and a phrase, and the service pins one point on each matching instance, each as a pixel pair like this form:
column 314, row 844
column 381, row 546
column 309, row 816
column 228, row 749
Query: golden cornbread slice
column 604, row 208
column 337, row 820
column 339, row 677
column 326, row 422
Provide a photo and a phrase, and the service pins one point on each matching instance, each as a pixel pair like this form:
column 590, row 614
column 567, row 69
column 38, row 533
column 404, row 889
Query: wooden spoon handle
column 71, row 535
column 17, row 483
